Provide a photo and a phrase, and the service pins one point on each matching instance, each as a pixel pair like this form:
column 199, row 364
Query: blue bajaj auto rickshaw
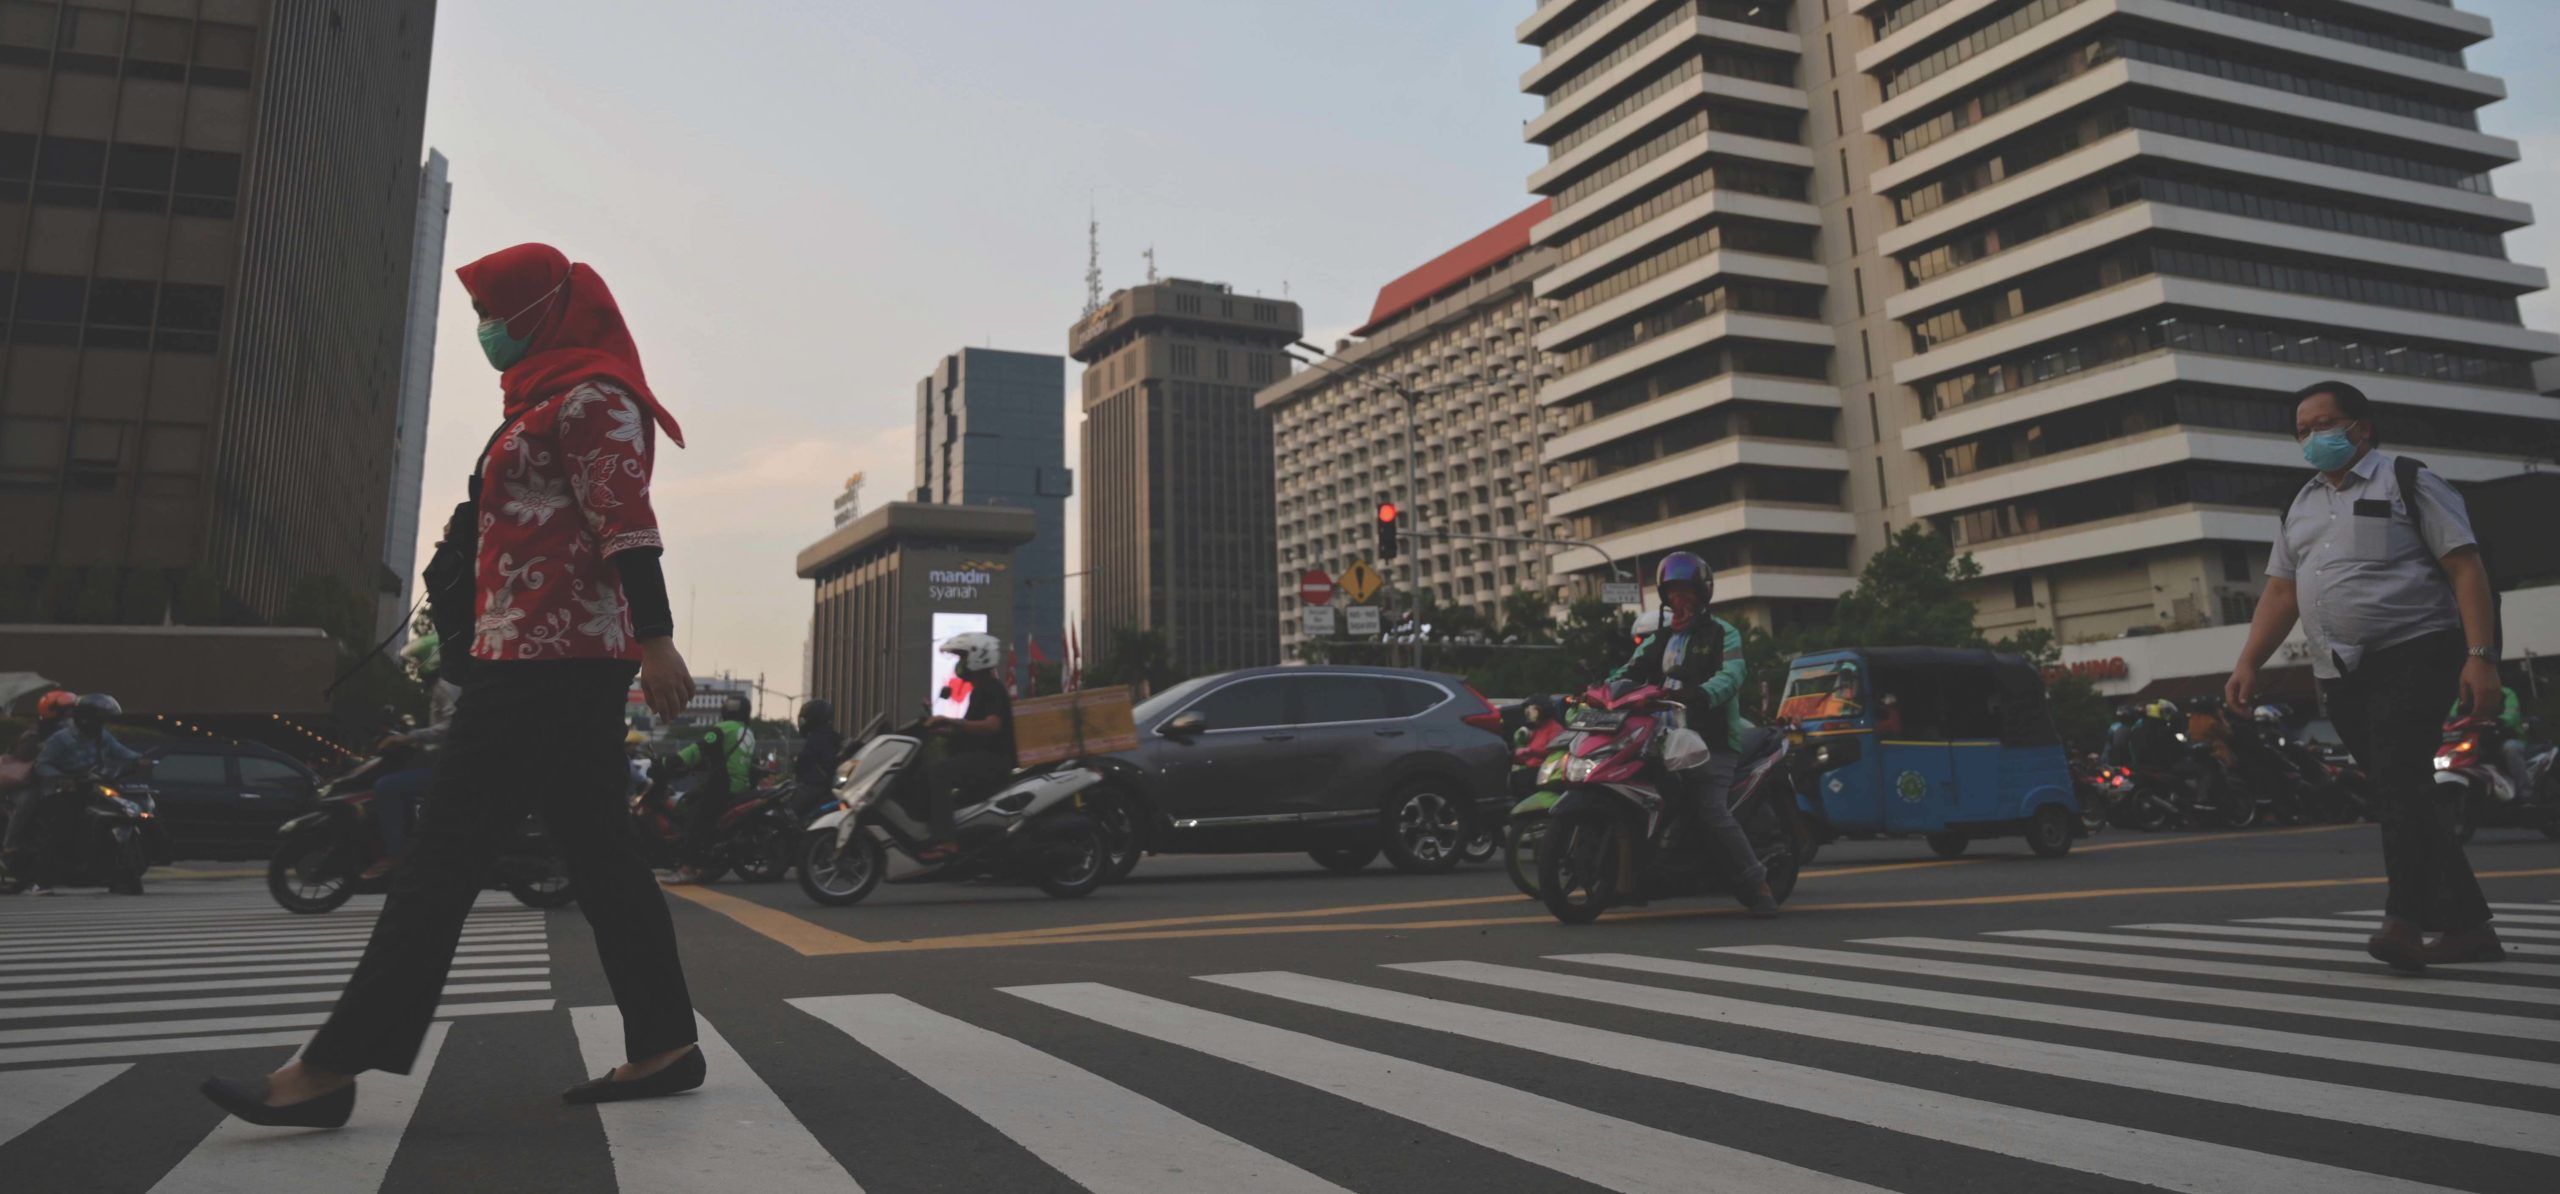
column 1947, row 743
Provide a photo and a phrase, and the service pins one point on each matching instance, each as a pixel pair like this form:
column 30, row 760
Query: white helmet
column 2268, row 715
column 977, row 652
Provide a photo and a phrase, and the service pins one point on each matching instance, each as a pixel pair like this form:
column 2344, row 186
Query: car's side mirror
column 1188, row 725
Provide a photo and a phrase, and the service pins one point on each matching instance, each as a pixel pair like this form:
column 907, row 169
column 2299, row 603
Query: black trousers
column 965, row 777
column 544, row 737
column 2390, row 713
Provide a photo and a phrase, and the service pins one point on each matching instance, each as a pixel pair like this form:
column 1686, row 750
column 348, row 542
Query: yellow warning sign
column 1360, row 582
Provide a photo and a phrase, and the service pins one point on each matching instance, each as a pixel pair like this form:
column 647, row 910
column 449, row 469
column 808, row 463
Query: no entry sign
column 1315, row 588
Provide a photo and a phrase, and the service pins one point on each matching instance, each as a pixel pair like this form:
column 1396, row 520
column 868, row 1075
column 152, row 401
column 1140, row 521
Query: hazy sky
column 803, row 204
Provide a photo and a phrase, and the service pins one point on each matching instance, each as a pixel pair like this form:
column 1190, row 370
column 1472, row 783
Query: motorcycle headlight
column 1578, row 770
column 1551, row 770
column 2443, row 763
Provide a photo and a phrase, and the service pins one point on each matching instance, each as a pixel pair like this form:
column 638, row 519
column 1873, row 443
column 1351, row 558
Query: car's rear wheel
column 1426, row 830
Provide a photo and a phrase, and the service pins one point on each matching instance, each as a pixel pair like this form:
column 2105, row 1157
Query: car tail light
column 1490, row 720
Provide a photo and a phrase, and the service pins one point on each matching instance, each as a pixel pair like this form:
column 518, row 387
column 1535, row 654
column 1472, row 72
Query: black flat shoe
column 683, row 1074
column 248, row 1101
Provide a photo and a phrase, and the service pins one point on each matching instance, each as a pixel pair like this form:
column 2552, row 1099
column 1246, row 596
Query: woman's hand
column 664, row 679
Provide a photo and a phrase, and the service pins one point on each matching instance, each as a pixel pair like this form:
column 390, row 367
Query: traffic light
column 1386, row 529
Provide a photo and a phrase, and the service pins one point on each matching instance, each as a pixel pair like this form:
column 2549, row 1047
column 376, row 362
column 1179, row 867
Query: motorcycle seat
column 1757, row 745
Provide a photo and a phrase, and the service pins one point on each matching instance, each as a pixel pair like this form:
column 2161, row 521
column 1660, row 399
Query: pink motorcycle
column 1615, row 838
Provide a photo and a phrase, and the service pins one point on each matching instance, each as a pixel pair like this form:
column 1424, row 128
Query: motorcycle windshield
column 862, row 780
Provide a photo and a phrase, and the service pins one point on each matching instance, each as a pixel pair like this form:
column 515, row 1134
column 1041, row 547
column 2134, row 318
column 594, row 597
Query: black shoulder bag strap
column 2405, row 470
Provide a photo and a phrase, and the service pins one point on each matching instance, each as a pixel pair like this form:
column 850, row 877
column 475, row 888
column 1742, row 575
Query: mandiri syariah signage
column 967, row 582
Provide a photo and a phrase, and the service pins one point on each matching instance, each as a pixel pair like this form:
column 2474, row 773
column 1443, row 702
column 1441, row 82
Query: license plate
column 1597, row 719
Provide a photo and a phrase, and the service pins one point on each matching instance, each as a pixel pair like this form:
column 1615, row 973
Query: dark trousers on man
column 2390, row 713
column 541, row 737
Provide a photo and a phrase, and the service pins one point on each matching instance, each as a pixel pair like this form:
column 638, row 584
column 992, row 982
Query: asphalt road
column 2188, row 1012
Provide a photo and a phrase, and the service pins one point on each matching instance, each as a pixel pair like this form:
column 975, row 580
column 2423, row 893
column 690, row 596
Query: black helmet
column 737, row 707
column 1685, row 567
column 816, row 713
column 2126, row 712
column 91, row 712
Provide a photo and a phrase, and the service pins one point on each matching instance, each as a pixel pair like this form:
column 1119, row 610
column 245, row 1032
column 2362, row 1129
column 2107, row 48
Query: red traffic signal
column 1386, row 511
column 1386, row 529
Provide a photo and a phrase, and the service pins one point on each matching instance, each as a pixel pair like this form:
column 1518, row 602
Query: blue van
column 1952, row 744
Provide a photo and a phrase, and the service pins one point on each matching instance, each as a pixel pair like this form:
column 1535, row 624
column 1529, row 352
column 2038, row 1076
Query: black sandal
column 248, row 1101
column 678, row 1076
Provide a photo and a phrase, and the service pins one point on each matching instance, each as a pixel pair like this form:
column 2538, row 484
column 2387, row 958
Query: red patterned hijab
column 577, row 331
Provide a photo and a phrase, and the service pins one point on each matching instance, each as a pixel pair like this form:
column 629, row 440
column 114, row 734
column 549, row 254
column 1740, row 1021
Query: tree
column 1528, row 618
column 1909, row 595
column 1596, row 637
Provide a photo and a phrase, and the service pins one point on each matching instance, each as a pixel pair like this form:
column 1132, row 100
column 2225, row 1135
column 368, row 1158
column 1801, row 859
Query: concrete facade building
column 885, row 581
column 1178, row 514
column 2048, row 269
column 991, row 431
column 201, row 379
column 417, row 379
column 1455, row 333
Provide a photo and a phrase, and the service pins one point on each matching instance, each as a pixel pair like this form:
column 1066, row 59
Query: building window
column 2235, row 563
column 2022, row 591
column 1186, row 360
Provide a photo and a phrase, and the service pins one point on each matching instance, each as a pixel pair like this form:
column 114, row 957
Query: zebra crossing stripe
column 2259, row 949
column 186, row 951
column 138, row 1006
column 1604, row 1151
column 1052, row 1108
column 279, row 926
column 734, row 1133
column 2485, row 1067
column 299, row 956
column 2401, row 1015
column 2108, row 1150
column 2314, row 922
column 2413, row 986
column 2532, row 913
column 62, row 1032
column 339, row 932
column 30, row 1097
column 71, row 1050
column 241, row 1158
column 2449, row 1119
column 331, row 975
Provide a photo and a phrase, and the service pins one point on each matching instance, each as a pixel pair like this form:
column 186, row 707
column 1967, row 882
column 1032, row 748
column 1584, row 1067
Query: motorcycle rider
column 396, row 796
column 77, row 749
column 1698, row 657
column 813, row 770
column 1539, row 725
column 981, row 752
column 53, row 711
column 2119, row 751
column 735, row 747
column 2513, row 753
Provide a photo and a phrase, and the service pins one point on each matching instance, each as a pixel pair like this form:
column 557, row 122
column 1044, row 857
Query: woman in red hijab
column 568, row 606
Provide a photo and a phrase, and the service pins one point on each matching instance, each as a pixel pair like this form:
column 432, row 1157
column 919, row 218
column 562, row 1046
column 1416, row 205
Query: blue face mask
column 2329, row 451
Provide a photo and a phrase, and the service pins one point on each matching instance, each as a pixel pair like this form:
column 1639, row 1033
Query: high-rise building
column 1178, row 471
column 991, row 430
column 207, row 222
column 1455, row 334
column 417, row 378
column 2042, row 273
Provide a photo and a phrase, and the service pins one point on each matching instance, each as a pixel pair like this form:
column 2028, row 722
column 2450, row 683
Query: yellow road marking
column 814, row 940
column 2213, row 837
column 808, row 937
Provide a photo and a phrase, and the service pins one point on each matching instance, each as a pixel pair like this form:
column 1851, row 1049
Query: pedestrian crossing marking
column 2481, row 1023
column 30, row 1097
column 712, row 1138
column 138, row 1006
column 1098, row 1133
column 2313, row 922
column 1603, row 1150
column 2448, row 1119
column 2415, row 1059
column 333, row 974
column 348, row 954
column 2411, row 985
column 241, row 1158
column 2109, row 1150
column 2256, row 948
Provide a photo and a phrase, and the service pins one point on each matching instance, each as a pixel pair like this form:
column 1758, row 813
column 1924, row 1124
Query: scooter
column 1615, row 839
column 98, row 834
column 321, row 862
column 1541, row 773
column 1037, row 826
column 2471, row 776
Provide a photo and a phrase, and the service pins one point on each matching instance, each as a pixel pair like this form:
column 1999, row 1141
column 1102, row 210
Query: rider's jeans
column 2519, row 766
column 1711, row 787
column 395, row 806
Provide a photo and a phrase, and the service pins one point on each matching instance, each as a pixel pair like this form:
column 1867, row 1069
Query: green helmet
column 426, row 652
